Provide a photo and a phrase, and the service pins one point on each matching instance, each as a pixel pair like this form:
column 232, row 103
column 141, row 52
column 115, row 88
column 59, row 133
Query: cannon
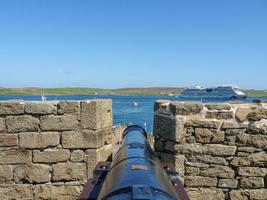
column 134, row 174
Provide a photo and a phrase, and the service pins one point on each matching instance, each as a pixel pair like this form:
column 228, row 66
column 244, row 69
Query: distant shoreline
column 152, row 91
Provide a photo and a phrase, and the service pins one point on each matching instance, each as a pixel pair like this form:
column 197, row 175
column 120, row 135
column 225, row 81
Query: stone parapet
column 219, row 149
column 48, row 150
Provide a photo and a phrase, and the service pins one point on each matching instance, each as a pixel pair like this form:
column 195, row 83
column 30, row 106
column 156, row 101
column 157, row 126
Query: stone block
column 169, row 128
column 242, row 113
column 227, row 183
column 11, row 108
column 218, row 171
column 96, row 155
column 189, row 148
column 51, row 192
column 51, row 155
column 179, row 164
column 258, row 159
column 200, row 181
column 233, row 125
column 2, row 124
column 257, row 140
column 41, row 108
column 6, row 173
column 69, row 172
column 204, row 135
column 240, row 161
column 77, row 156
column 58, row 123
column 96, row 114
column 252, row 182
column 252, row 171
column 13, row 191
column 207, row 159
column 192, row 171
column 197, row 123
column 206, row 194
column 31, row 173
column 258, row 194
column 218, row 106
column 85, row 139
column 239, row 195
column 38, row 140
column 69, row 107
column 15, row 156
column 185, row 108
column 8, row 140
column 259, row 127
column 257, row 115
column 219, row 115
column 220, row 150
column 21, row 123
column 161, row 103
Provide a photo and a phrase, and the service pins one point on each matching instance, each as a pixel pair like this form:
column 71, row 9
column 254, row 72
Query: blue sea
column 123, row 112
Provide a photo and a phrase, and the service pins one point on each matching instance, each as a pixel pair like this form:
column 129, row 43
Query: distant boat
column 221, row 92
column 134, row 104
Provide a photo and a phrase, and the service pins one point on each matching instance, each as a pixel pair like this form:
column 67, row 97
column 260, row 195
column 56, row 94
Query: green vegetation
column 89, row 91
column 154, row 91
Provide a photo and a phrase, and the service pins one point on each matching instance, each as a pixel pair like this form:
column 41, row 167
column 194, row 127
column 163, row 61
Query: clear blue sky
column 133, row 43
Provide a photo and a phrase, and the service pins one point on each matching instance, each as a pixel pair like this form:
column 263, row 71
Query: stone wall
column 49, row 149
column 220, row 150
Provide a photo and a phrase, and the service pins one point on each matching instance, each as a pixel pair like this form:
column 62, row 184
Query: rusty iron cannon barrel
column 136, row 173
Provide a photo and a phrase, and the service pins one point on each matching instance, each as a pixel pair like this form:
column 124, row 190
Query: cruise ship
column 221, row 92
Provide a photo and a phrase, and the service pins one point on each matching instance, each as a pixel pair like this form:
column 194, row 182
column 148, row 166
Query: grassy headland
column 153, row 91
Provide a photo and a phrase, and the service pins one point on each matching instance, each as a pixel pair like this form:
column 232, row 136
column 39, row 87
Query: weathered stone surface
column 189, row 148
column 8, row 140
column 179, row 161
column 30, row 173
column 77, row 156
column 58, row 123
column 206, row 194
column 185, row 108
column 38, row 140
column 252, row 171
column 252, row 182
column 219, row 114
column 228, row 183
column 239, row 195
column 207, row 159
column 68, row 107
column 246, row 149
column 220, row 150
column 257, row 115
column 22, row 123
column 258, row 159
column 251, row 140
column 96, row 155
column 204, row 135
column 51, row 192
column 232, row 125
column 259, row 127
column 51, row 155
column 258, row 194
column 14, row 156
column 169, row 146
column 234, row 131
column 159, row 145
column 69, row 172
column 6, row 173
column 202, row 123
column 240, row 161
column 200, row 181
column 85, row 138
column 161, row 103
column 11, row 108
column 42, row 108
column 2, row 124
column 192, row 171
column 218, row 171
column 169, row 128
column 96, row 114
column 24, row 192
column 218, row 106
column 230, row 139
column 242, row 113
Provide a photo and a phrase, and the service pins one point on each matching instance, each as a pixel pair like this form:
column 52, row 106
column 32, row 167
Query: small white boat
column 134, row 104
